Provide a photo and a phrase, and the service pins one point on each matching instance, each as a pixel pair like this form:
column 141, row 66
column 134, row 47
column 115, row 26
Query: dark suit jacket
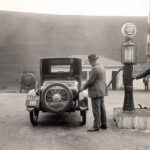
column 96, row 83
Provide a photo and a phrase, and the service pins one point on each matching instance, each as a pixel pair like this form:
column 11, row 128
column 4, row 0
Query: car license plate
column 32, row 103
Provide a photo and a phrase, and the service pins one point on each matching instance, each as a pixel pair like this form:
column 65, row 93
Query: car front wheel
column 34, row 117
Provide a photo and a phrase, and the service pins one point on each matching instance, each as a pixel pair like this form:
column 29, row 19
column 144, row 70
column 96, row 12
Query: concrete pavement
column 64, row 132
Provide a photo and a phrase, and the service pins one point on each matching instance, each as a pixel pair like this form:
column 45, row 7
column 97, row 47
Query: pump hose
column 114, row 77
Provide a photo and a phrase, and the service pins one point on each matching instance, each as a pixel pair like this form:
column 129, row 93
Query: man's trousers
column 99, row 111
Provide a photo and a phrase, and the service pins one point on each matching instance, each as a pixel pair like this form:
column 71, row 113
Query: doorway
column 114, row 80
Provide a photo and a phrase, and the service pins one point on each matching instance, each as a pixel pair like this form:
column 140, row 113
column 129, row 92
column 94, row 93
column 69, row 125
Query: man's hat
column 92, row 57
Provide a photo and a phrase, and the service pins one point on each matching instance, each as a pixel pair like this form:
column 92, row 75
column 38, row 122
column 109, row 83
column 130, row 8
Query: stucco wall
column 119, row 81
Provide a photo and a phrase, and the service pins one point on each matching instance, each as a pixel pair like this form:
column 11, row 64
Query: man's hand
column 81, row 90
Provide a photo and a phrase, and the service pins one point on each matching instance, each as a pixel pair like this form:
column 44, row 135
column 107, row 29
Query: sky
column 79, row 7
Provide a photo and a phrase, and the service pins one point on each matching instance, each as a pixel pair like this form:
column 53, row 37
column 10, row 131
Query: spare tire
column 56, row 98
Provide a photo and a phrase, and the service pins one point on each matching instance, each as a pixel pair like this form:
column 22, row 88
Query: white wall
column 109, row 76
column 119, row 79
column 138, row 84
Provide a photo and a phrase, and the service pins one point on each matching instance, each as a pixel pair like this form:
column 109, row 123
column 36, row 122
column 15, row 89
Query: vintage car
column 60, row 80
column 27, row 81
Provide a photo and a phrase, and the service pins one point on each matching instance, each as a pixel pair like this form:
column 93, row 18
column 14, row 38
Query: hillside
column 27, row 37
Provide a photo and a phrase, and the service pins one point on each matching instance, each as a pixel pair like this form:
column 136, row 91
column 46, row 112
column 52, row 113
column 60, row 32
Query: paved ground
column 64, row 132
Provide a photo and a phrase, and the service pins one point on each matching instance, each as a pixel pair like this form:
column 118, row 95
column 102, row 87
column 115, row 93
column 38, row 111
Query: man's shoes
column 103, row 127
column 93, row 130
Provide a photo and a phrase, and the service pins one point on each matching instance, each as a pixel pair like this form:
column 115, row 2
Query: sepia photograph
column 74, row 74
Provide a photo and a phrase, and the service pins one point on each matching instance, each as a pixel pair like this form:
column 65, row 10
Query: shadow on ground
column 60, row 120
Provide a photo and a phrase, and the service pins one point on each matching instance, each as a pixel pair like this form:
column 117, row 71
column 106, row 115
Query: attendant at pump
column 146, row 83
column 143, row 75
column 96, row 86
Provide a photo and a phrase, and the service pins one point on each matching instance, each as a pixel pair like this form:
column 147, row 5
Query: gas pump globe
column 128, row 58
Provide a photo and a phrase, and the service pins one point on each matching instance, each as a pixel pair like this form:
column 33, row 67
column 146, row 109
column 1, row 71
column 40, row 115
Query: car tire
column 47, row 90
column 34, row 117
column 83, row 114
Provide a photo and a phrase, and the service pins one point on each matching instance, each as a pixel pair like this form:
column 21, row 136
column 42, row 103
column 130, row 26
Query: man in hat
column 145, row 80
column 96, row 86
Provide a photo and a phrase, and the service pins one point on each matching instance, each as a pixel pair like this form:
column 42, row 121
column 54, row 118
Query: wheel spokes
column 57, row 97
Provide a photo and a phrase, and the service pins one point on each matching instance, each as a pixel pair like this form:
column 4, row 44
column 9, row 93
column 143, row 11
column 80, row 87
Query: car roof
column 59, row 58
